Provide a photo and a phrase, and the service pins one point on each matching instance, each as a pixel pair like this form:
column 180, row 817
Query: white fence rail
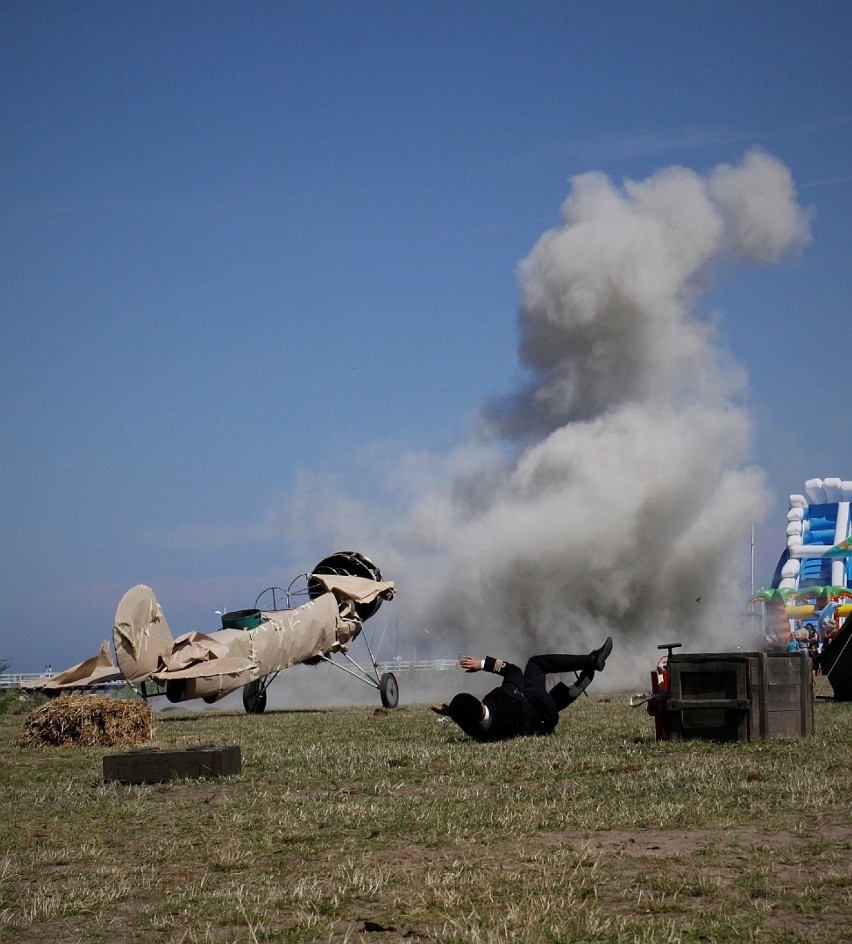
column 402, row 665
column 397, row 666
column 17, row 679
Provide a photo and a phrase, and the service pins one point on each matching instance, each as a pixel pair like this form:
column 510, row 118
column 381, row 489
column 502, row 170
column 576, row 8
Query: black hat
column 466, row 711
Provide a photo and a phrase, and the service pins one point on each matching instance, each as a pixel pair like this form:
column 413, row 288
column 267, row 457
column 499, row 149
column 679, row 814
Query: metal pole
column 752, row 559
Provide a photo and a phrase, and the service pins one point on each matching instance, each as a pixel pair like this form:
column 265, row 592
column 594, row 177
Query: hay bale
column 88, row 721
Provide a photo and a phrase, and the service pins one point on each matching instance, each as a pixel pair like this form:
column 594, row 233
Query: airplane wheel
column 254, row 698
column 389, row 690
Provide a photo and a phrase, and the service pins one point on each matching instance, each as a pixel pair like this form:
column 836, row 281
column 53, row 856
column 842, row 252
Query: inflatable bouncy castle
column 811, row 591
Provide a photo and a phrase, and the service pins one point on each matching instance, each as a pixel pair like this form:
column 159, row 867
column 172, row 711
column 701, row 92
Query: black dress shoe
column 601, row 655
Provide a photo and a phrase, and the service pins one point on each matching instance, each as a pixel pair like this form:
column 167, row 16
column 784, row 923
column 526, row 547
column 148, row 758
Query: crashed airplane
column 342, row 592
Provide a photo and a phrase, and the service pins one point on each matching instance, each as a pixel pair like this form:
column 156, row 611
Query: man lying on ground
column 522, row 704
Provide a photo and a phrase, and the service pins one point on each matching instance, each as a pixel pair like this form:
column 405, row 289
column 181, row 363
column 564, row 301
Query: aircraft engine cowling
column 348, row 564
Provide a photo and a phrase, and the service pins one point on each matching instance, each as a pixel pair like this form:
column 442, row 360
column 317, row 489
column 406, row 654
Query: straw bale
column 88, row 721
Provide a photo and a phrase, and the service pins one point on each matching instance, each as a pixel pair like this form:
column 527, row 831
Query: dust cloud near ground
column 325, row 686
column 611, row 492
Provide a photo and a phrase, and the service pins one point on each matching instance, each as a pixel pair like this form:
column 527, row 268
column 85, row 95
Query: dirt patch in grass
column 677, row 842
column 677, row 877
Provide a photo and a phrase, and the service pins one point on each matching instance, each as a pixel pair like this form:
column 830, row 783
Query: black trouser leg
column 539, row 667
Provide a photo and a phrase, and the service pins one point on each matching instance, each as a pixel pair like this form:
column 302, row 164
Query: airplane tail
column 140, row 633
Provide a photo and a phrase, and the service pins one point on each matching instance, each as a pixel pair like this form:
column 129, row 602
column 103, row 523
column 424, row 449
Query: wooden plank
column 735, row 704
column 156, row 766
column 788, row 695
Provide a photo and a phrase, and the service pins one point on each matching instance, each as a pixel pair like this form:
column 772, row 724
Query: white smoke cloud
column 610, row 494
column 757, row 201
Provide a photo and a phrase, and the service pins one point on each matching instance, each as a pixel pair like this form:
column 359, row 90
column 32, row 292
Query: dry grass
column 88, row 721
column 346, row 826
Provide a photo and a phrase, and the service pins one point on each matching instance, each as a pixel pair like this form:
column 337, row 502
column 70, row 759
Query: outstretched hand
column 442, row 709
column 470, row 664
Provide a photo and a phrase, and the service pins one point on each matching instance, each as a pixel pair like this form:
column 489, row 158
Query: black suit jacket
column 514, row 709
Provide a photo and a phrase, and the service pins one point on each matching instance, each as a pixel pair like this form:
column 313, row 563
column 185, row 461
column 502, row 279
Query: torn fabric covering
column 210, row 665
column 283, row 638
column 99, row 668
column 194, row 647
column 357, row 589
column 140, row 633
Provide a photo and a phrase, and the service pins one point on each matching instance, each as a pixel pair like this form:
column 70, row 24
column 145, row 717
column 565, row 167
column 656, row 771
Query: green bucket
column 241, row 619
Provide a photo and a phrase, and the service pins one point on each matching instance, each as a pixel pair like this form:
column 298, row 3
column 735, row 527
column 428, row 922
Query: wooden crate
column 154, row 766
column 785, row 694
column 740, row 696
column 708, row 697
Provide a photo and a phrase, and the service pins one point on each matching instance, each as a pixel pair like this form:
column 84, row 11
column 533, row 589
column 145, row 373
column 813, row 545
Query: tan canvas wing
column 194, row 647
column 227, row 665
column 99, row 668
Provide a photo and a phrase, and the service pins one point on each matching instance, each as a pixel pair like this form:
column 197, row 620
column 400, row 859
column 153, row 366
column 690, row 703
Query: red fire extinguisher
column 656, row 700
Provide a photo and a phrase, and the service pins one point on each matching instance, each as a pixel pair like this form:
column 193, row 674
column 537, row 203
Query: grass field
column 351, row 824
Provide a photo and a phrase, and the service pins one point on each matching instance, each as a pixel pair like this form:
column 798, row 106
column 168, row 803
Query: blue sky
column 251, row 247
